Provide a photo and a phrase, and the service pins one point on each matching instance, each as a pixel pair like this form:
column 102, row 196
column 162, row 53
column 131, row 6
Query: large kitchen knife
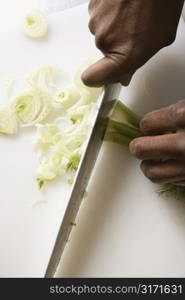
column 83, row 175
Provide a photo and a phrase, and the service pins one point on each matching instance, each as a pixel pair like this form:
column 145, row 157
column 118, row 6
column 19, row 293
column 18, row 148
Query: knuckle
column 100, row 40
column 105, row 40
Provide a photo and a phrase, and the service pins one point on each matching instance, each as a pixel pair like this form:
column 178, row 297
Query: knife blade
column 83, row 175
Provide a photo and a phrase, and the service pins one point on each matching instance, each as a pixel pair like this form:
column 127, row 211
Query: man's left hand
column 162, row 147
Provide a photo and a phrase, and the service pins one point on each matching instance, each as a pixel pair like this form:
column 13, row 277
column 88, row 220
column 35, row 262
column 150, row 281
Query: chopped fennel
column 40, row 183
column 8, row 121
column 74, row 162
column 42, row 78
column 64, row 151
column 62, row 116
column 48, row 170
column 31, row 107
column 67, row 97
column 60, row 145
column 45, row 137
column 35, row 25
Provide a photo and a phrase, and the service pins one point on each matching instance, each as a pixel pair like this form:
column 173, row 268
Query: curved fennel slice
column 67, row 97
column 31, row 107
column 62, row 116
column 35, row 25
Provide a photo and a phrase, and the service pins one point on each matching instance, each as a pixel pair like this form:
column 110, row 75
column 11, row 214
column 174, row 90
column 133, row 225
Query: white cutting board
column 27, row 232
column 124, row 229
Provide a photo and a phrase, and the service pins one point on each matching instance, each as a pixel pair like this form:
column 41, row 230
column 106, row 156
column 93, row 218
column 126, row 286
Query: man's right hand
column 129, row 33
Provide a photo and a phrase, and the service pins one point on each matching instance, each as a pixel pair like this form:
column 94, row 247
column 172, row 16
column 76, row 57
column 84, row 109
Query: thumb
column 106, row 71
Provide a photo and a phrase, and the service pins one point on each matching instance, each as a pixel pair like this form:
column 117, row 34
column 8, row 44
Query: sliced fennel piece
column 67, row 97
column 74, row 160
column 35, row 25
column 64, row 124
column 82, row 108
column 48, row 170
column 80, row 113
column 61, row 142
column 65, row 148
column 8, row 121
column 85, row 99
column 42, row 78
column 45, row 137
column 31, row 107
column 52, row 166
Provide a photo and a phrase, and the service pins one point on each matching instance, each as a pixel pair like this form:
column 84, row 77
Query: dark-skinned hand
column 129, row 33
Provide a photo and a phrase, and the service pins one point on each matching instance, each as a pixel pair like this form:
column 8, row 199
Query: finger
column 163, row 147
column 106, row 71
column 164, row 172
column 167, row 119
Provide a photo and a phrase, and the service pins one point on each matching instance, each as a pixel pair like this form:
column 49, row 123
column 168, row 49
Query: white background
column 119, row 237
